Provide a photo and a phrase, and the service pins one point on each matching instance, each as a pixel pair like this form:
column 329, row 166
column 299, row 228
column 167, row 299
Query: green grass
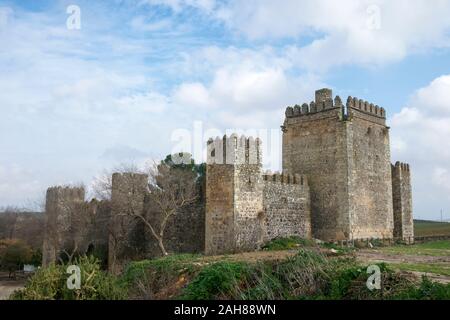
column 436, row 268
column 434, row 248
column 424, row 228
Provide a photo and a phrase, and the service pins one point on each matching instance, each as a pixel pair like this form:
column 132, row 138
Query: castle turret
column 62, row 205
column 402, row 198
column 345, row 153
column 234, row 195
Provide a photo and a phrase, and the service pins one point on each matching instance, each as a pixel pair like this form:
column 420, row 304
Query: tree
column 171, row 187
column 14, row 254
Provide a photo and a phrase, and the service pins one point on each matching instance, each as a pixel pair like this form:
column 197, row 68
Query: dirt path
column 8, row 286
column 377, row 256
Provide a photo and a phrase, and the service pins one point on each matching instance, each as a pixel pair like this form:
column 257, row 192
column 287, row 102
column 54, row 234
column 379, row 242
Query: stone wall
column 286, row 206
column 244, row 209
column 126, row 236
column 185, row 230
column 219, row 216
column 370, row 187
column 234, row 201
column 64, row 206
column 401, row 194
column 314, row 144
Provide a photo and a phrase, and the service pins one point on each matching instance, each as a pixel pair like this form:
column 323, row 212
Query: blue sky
column 139, row 74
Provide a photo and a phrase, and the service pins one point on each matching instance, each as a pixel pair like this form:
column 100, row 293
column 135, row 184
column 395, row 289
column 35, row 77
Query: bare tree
column 170, row 190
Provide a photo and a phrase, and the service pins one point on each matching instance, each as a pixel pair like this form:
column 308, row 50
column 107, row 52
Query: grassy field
column 436, row 268
column 434, row 248
column 418, row 257
column 424, row 228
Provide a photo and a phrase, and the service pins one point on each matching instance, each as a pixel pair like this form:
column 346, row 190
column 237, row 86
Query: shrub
column 51, row 284
column 215, row 281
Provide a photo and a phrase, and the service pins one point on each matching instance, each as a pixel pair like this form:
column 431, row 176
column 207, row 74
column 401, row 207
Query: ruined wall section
column 185, row 229
column 402, row 202
column 370, row 188
column 127, row 233
column 63, row 205
column 287, row 206
column 315, row 144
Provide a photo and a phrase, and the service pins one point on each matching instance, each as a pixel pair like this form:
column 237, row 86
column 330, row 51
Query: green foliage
column 186, row 162
column 51, row 284
column 14, row 254
column 36, row 257
column 300, row 275
column 216, row 280
column 287, row 244
column 169, row 264
column 427, row 290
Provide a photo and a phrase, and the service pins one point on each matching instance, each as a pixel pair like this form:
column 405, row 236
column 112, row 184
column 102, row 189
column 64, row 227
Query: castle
column 337, row 183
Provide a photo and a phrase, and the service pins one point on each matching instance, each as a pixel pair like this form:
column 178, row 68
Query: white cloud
column 369, row 32
column 243, row 84
column 178, row 5
column 193, row 95
column 420, row 136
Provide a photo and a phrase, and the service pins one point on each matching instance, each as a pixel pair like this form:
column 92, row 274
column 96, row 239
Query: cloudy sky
column 133, row 80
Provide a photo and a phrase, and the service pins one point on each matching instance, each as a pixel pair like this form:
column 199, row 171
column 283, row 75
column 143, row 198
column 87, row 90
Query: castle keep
column 337, row 183
column 344, row 151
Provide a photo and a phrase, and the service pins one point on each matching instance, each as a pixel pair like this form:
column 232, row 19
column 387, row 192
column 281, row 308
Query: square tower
column 344, row 151
column 234, row 195
column 401, row 194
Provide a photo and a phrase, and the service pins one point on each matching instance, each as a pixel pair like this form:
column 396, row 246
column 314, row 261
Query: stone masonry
column 345, row 152
column 401, row 194
column 244, row 208
column 337, row 183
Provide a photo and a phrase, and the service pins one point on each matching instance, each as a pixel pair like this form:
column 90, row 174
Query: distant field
column 433, row 248
column 429, row 228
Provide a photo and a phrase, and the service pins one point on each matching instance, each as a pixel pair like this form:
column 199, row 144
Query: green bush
column 51, row 284
column 217, row 280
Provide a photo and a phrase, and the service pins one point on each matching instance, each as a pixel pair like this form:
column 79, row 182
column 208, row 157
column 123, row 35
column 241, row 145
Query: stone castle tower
column 345, row 152
column 244, row 207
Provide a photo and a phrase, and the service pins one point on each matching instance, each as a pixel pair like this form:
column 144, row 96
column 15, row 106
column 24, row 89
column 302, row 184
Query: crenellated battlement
column 66, row 192
column 401, row 167
column 234, row 150
column 324, row 102
column 314, row 107
column 282, row 178
column 366, row 107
